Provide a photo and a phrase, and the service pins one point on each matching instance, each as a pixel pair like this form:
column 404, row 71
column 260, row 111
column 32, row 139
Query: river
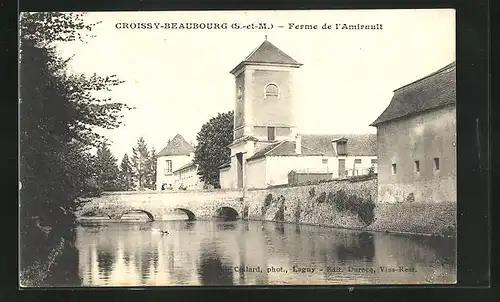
column 128, row 253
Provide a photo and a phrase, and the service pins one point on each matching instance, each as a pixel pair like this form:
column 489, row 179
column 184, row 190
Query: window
column 341, row 148
column 324, row 160
column 240, row 92
column 394, row 170
column 436, row 164
column 357, row 161
column 374, row 161
column 168, row 167
column 417, row 166
column 271, row 133
column 271, row 90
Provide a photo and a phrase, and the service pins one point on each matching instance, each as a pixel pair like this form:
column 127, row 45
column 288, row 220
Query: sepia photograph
column 237, row 148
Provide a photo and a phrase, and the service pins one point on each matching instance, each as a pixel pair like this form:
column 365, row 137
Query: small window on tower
column 240, row 92
column 271, row 90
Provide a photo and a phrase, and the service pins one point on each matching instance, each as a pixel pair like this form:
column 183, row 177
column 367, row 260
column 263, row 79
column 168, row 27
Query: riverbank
column 319, row 204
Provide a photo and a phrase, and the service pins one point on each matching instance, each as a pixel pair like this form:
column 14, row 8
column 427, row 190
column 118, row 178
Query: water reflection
column 212, row 270
column 251, row 252
column 361, row 248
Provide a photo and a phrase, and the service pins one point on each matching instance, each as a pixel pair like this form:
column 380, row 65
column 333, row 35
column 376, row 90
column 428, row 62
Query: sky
column 177, row 79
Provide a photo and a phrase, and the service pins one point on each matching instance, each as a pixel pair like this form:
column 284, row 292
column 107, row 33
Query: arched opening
column 190, row 215
column 227, row 214
column 137, row 214
column 94, row 216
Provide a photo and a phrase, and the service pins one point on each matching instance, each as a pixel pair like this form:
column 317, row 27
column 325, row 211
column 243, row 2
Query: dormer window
column 271, row 90
column 341, row 148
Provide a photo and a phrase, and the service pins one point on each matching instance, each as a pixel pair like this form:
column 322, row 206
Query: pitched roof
column 268, row 53
column 357, row 144
column 177, row 146
column 435, row 90
column 188, row 165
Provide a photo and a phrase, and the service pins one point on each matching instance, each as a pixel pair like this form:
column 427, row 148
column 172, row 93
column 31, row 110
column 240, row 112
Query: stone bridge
column 195, row 204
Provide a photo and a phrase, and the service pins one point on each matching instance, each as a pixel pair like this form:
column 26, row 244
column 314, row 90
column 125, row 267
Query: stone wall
column 309, row 204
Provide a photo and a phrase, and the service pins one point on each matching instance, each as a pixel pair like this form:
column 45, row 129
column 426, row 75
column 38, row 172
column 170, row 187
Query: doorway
column 342, row 171
column 239, row 168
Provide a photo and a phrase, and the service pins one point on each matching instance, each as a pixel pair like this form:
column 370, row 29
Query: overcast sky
column 179, row 79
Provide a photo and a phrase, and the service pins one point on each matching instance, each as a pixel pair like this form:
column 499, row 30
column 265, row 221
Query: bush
column 268, row 200
column 341, row 201
column 321, row 198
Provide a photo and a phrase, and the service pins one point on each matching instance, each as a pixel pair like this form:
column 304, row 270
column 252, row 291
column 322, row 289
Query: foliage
column 312, row 192
column 371, row 170
column 107, row 169
column 321, row 198
column 140, row 162
column 211, row 149
column 126, row 181
column 151, row 170
column 268, row 200
column 354, row 204
column 58, row 114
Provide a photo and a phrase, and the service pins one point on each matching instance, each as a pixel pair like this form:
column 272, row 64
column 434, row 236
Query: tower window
column 417, row 166
column 239, row 92
column 436, row 164
column 394, row 170
column 271, row 90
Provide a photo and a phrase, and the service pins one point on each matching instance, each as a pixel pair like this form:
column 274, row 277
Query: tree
column 58, row 114
column 107, row 168
column 140, row 162
column 211, row 148
column 126, row 174
column 151, row 170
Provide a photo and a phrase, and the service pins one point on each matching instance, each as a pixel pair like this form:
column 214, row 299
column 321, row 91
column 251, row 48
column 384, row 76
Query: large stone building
column 266, row 146
column 416, row 139
column 177, row 156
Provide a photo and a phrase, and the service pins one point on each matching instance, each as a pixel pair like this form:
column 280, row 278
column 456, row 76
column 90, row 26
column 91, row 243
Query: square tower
column 264, row 100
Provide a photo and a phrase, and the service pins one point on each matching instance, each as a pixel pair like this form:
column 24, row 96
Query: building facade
column 416, row 139
column 266, row 145
column 176, row 154
column 186, row 177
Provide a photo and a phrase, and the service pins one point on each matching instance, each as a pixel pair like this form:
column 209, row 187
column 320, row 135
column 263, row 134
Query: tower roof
column 177, row 146
column 268, row 53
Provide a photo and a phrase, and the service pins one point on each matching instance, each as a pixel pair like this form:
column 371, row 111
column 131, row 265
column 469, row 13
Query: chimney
column 298, row 144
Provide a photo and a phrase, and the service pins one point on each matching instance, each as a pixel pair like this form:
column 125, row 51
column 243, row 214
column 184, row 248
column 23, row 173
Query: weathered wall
column 301, row 206
column 420, row 138
column 298, row 205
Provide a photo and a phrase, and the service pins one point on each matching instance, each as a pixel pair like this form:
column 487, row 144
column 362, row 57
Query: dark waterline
column 253, row 253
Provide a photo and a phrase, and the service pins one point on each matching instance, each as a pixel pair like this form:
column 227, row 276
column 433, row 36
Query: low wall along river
column 330, row 204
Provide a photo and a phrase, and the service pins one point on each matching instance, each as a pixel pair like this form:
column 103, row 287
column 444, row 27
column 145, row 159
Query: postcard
column 230, row 148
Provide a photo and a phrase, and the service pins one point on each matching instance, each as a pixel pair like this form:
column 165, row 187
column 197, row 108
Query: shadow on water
column 65, row 271
column 188, row 225
column 360, row 247
column 211, row 270
column 226, row 226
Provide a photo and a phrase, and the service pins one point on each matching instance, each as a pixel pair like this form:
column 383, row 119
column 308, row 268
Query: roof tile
column 177, row 146
column 435, row 90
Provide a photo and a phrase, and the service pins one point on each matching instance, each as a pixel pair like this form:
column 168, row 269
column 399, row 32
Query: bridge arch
column 150, row 216
column 227, row 213
column 189, row 214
